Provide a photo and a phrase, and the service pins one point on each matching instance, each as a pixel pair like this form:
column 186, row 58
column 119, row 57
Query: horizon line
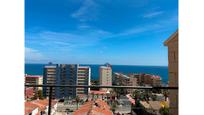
column 103, row 64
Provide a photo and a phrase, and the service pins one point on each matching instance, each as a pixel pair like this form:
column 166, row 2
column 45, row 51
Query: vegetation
column 77, row 101
column 164, row 111
column 166, row 94
column 93, row 96
column 94, row 82
column 119, row 91
column 113, row 106
column 40, row 94
column 156, row 90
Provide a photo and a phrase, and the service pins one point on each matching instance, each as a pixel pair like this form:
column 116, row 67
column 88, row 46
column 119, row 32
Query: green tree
column 164, row 111
column 113, row 107
column 40, row 94
column 137, row 94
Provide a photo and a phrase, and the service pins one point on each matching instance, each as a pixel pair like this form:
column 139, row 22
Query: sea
column 162, row 71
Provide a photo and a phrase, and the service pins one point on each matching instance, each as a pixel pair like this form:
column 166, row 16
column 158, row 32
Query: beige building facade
column 105, row 76
column 83, row 78
column 172, row 44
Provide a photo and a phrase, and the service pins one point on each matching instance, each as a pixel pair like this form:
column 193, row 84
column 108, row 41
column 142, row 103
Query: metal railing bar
column 99, row 86
column 50, row 101
column 92, row 86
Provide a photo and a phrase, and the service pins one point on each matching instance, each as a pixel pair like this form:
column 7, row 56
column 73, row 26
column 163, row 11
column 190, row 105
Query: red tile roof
column 29, row 107
column 41, row 104
column 98, row 92
column 89, row 108
column 130, row 99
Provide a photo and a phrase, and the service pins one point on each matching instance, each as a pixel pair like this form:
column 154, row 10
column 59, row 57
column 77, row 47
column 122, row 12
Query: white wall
column 35, row 111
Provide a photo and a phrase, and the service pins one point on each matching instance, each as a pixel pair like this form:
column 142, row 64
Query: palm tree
column 137, row 96
column 102, row 96
column 113, row 107
column 165, row 95
column 77, row 101
column 92, row 96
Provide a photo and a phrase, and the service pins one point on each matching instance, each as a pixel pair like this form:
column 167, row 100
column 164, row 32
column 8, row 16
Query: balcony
column 137, row 100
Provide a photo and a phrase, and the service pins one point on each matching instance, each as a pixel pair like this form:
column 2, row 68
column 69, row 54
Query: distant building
column 172, row 44
column 105, row 79
column 50, row 77
column 40, row 82
column 156, row 81
column 146, row 79
column 140, row 78
column 151, row 80
column 34, row 80
column 83, row 78
column 68, row 76
column 120, row 79
column 133, row 81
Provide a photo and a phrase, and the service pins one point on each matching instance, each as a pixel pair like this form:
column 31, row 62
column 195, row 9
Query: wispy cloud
column 87, row 11
column 138, row 30
column 157, row 26
column 153, row 14
column 65, row 40
column 84, row 26
column 33, row 55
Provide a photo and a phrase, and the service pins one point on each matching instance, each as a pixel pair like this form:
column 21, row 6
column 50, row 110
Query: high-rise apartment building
column 71, row 78
column 50, row 77
column 62, row 74
column 66, row 74
column 83, row 78
column 105, row 76
column 172, row 43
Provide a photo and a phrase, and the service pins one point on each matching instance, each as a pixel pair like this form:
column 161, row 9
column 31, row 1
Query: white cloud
column 34, row 56
column 153, row 14
column 84, row 26
column 65, row 40
column 88, row 11
column 137, row 30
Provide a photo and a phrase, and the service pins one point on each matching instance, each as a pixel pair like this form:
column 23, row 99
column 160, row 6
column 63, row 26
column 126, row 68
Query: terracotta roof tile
column 89, row 108
column 29, row 107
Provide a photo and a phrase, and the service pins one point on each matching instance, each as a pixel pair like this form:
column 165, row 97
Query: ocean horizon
column 162, row 71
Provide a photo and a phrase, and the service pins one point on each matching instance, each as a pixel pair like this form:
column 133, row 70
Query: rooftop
column 171, row 38
column 123, row 75
column 29, row 107
column 41, row 104
column 98, row 92
column 82, row 66
column 50, row 66
column 94, row 108
column 105, row 67
column 33, row 76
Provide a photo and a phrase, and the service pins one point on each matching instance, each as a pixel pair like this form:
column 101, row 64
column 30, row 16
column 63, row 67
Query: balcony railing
column 52, row 87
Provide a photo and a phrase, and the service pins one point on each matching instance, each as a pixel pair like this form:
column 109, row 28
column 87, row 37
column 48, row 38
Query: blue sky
column 125, row 32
